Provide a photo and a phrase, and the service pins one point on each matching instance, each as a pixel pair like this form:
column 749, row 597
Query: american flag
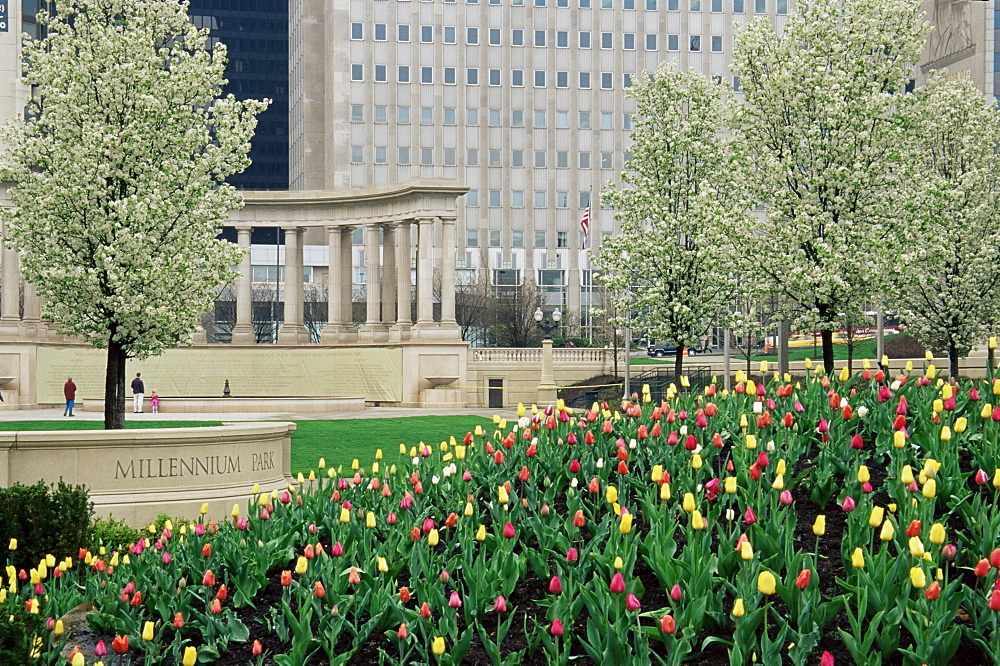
column 585, row 227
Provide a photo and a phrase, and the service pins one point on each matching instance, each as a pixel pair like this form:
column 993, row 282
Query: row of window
column 516, row 239
column 448, row 35
column 517, row 198
column 539, row 77
column 760, row 6
column 540, row 159
column 449, row 116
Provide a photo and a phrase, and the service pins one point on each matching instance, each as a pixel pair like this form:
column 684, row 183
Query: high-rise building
column 523, row 101
column 963, row 42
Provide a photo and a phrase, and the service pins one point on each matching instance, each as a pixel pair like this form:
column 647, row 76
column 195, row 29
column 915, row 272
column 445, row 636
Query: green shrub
column 113, row 535
column 16, row 636
column 44, row 521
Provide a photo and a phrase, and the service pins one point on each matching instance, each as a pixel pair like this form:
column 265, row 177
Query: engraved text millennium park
column 154, row 468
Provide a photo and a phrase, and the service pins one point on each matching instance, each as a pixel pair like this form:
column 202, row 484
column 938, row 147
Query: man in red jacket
column 69, row 390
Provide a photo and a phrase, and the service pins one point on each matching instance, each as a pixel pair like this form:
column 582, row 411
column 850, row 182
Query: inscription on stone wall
column 161, row 468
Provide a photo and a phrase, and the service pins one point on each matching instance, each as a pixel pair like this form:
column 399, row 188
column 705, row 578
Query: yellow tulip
column 697, row 522
column 744, row 423
column 520, row 409
column 845, row 374
column 468, row 511
column 696, row 461
column 819, row 526
column 899, row 439
column 80, row 660
column 345, row 515
column 437, row 647
column 938, row 535
column 780, row 468
column 738, row 610
column 433, row 538
column 731, row 486
column 299, row 479
column 763, row 367
column 657, row 474
column 858, row 559
column 611, row 495
column 947, row 390
column 779, row 482
column 751, row 441
column 987, row 411
column 665, row 491
column 888, row 531
column 876, row 517
column 59, row 629
column 688, row 503
column 808, row 363
column 382, row 564
column 766, row 582
column 370, row 520
column 481, row 533
column 190, row 655
column 863, row 475
column 147, row 631
column 618, row 563
column 993, row 342
column 235, row 512
column 906, row 475
column 13, row 544
column 625, row 526
column 938, row 405
column 961, row 423
column 931, row 370
column 930, row 489
column 746, row 551
column 909, row 366
column 916, row 547
column 945, row 434
column 301, row 565
column 996, row 478
column 502, row 496
column 751, row 388
column 917, row 577
column 685, row 382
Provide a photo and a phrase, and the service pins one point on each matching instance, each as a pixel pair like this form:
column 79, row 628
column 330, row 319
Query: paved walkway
column 56, row 413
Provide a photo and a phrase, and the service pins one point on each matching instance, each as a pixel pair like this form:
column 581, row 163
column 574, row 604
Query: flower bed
column 833, row 519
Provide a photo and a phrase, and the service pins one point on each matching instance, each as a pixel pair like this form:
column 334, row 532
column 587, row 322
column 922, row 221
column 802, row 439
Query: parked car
column 661, row 349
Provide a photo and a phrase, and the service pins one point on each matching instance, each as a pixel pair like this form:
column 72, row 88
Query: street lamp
column 547, row 323
column 547, row 388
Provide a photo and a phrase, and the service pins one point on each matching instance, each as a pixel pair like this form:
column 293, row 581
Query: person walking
column 69, row 391
column 137, row 390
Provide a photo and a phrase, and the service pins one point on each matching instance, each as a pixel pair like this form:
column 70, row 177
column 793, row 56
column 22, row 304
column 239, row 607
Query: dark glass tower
column 256, row 34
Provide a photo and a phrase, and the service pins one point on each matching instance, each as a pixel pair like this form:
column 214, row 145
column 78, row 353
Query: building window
column 539, row 78
column 472, row 198
column 381, row 34
column 403, row 74
column 584, row 39
column 381, row 155
column 472, row 77
column 427, row 75
column 584, row 4
column 539, row 199
column 517, row 37
column 449, row 157
column 494, row 238
column 695, row 5
column 562, row 79
column 626, row 80
column 472, row 157
column 450, row 117
column 716, row 43
column 403, row 156
column 562, row 159
column 539, row 239
column 403, row 32
column 426, row 34
column 426, row 156
column 517, row 158
column 562, row 239
column 449, row 76
column 607, row 120
column 738, row 6
column 494, row 157
column 627, row 121
column 628, row 41
column 562, row 119
column 607, row 161
column 584, row 198
column 539, row 38
column 381, row 76
column 381, row 114
column 716, row 6
column 736, row 84
column 357, row 31
column 494, row 198
column 472, row 238
column 695, row 43
column 426, row 115
column 607, row 81
column 673, row 43
column 562, row 39
column 673, row 5
column 494, row 117
column 357, row 113
column 472, row 117
column 585, row 80
column 651, row 5
column 517, row 239
column 494, row 77
column 494, row 37
column 628, row 4
column 759, row 6
column 403, row 115
column 585, row 160
column 540, row 159
column 517, row 118
column 517, row 199
column 607, row 40
column 357, row 154
column 450, row 36
column 562, row 199
column 539, row 119
column 585, row 120
column 651, row 42
column 472, row 36
column 781, row 6
column 357, row 72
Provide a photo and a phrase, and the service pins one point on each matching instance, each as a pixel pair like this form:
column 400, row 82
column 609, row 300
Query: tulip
column 827, row 659
column 454, row 601
column 819, row 526
column 215, row 607
column 746, row 551
column 147, row 631
column 937, row 535
column 557, row 627
column 697, row 521
column 101, row 649
column 982, row 568
column 555, row 585
column 917, row 577
column 749, row 517
column 858, row 559
column 257, row 648
column 617, row 584
column 425, row 610
column 888, row 531
column 632, row 602
column 930, row 489
column 675, row 592
column 667, row 624
column 995, row 558
column 508, row 530
column 766, row 582
column 848, row 504
column 437, row 646
column 286, row 578
column 500, row 605
column 933, row 591
column 178, row 620
column 802, row 580
column 190, row 656
column 77, row 659
column 995, row 601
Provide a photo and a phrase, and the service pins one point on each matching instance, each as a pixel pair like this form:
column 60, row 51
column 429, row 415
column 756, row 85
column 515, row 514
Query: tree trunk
column 678, row 364
column 953, row 358
column 114, row 388
column 827, row 337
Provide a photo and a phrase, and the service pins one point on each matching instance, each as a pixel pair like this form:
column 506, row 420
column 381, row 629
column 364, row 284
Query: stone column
column 334, row 294
column 32, row 322
column 448, row 249
column 10, row 290
column 389, row 315
column 403, row 287
column 347, row 281
column 425, row 273
column 292, row 331
column 373, row 287
column 243, row 329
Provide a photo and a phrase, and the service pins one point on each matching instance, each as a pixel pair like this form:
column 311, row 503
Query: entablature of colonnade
column 358, row 206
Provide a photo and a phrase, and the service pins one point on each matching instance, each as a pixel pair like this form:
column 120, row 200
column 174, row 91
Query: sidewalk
column 56, row 413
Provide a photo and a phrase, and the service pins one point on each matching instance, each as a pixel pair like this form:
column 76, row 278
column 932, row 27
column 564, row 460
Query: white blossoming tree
column 119, row 176
column 821, row 133
column 945, row 282
column 667, row 266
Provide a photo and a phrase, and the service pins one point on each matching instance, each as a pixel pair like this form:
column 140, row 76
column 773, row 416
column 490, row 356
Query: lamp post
column 547, row 385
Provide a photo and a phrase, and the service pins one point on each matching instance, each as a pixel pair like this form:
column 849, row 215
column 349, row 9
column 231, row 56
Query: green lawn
column 340, row 442
column 864, row 349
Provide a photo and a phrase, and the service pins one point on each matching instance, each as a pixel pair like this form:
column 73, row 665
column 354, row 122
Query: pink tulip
column 617, row 584
column 632, row 602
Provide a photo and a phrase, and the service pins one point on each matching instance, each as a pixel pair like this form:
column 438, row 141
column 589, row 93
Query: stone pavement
column 56, row 413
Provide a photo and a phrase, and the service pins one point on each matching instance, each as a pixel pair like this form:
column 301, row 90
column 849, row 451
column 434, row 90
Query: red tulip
column 206, row 550
column 802, row 580
column 749, row 517
column 454, row 601
column 617, row 583
column 982, row 477
column 425, row 610
column 286, row 577
column 208, row 578
column 500, row 605
column 826, row 659
column 216, row 607
column 100, row 649
column 995, row 601
column 222, row 593
column 403, row 631
column 120, row 644
column 508, row 530
column 848, row 504
column 913, row 529
column 675, row 592
column 571, row 555
column 178, row 620
column 318, row 590
column 257, row 648
column 982, row 568
column 555, row 585
column 933, row 591
column 557, row 627
column 404, row 594
column 632, row 602
column 667, row 624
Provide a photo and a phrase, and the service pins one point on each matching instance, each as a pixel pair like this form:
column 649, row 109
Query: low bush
column 52, row 520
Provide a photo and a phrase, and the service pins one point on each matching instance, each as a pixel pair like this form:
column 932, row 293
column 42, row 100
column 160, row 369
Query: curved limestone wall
column 137, row 474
